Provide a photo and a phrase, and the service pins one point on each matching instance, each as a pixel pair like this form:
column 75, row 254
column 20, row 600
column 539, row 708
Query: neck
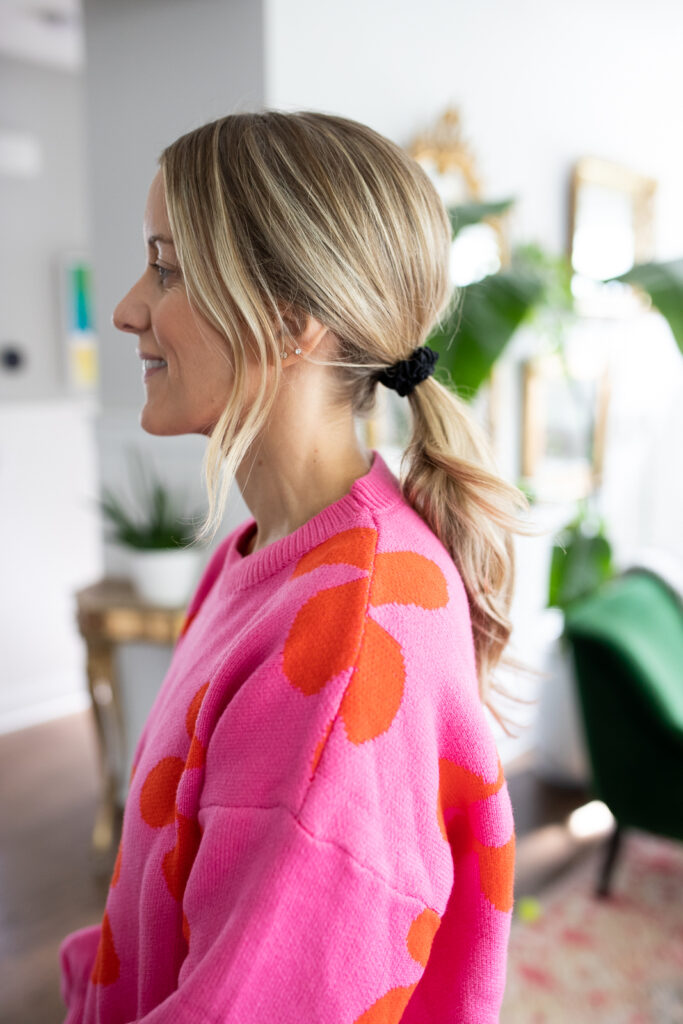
column 285, row 483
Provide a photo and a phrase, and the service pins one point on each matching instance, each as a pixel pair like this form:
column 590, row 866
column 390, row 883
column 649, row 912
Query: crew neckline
column 378, row 489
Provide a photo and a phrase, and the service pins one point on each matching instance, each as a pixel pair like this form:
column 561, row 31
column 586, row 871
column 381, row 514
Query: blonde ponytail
column 451, row 480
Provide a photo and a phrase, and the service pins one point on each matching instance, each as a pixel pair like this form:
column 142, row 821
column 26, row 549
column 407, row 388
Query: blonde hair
column 275, row 214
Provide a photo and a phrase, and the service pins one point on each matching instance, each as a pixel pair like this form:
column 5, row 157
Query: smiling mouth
column 150, row 367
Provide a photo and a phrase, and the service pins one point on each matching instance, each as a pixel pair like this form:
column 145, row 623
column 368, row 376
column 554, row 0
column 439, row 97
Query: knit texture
column 318, row 826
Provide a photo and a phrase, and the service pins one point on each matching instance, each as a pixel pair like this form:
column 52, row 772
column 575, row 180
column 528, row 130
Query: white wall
column 538, row 84
column 51, row 548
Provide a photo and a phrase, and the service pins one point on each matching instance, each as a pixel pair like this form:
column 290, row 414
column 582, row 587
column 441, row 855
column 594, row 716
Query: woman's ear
column 301, row 329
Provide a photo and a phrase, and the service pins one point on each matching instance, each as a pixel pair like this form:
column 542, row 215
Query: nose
column 131, row 313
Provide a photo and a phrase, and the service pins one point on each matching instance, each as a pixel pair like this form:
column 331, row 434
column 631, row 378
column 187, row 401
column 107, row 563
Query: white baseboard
column 44, row 711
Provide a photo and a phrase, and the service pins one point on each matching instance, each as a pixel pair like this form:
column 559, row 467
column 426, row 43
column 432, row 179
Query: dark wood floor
column 50, row 883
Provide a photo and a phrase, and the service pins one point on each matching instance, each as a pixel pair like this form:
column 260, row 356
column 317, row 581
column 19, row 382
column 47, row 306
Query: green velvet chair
column 626, row 641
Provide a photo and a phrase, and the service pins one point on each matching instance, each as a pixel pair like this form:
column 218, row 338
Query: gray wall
column 154, row 70
column 41, row 217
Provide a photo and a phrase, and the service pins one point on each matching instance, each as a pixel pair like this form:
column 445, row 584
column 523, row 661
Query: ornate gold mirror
column 611, row 227
column 448, row 159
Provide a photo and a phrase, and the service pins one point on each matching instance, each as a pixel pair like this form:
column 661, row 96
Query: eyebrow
column 159, row 238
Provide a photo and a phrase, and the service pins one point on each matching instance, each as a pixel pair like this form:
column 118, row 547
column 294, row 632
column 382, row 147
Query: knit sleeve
column 77, row 954
column 284, row 926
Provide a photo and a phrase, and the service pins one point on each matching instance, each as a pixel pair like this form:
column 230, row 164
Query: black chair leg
column 613, row 843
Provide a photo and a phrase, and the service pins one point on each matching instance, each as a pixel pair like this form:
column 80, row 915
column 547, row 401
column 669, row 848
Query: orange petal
column 497, row 872
column 157, row 796
column 196, row 754
column 389, row 1008
column 186, row 624
column 107, row 964
column 178, row 862
column 374, row 693
column 459, row 787
column 324, row 636
column 405, row 577
column 186, row 930
column 421, row 935
column 352, row 547
column 117, row 867
column 193, row 710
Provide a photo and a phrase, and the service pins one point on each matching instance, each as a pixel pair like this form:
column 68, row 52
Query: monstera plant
column 663, row 282
column 490, row 310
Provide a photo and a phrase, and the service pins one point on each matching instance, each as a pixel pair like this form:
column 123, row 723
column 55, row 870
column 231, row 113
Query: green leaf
column 580, row 562
column 553, row 272
column 663, row 282
column 474, row 335
column 473, row 213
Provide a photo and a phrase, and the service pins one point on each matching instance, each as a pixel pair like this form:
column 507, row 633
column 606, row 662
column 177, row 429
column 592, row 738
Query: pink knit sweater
column 318, row 829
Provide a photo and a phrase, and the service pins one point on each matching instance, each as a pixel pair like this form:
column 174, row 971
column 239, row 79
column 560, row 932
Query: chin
column 155, row 425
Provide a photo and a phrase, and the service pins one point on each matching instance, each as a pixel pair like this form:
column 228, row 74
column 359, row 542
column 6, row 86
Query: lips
column 147, row 355
column 149, row 370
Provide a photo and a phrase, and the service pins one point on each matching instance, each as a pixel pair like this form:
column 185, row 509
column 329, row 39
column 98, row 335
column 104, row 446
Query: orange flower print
column 388, row 1009
column 107, row 965
column 375, row 690
column 460, row 791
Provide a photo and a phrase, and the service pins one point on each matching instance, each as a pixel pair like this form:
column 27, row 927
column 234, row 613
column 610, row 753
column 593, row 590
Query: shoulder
column 383, row 601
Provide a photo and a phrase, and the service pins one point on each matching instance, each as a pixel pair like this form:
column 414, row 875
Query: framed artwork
column 563, row 430
column 78, row 328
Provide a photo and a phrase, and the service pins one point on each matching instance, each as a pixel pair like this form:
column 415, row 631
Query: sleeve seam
column 327, row 842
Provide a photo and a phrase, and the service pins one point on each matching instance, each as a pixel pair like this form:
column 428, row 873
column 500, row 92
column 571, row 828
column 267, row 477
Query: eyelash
column 162, row 272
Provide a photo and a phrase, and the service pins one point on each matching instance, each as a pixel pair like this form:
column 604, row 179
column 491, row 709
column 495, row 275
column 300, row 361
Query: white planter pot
column 166, row 577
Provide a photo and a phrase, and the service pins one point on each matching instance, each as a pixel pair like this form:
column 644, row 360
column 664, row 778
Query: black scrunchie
column 408, row 373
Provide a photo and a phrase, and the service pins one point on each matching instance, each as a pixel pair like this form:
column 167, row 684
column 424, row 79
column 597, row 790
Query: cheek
column 174, row 327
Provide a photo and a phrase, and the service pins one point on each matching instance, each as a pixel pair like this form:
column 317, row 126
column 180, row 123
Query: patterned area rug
column 576, row 959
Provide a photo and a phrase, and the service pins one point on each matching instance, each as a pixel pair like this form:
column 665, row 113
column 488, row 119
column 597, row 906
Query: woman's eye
column 163, row 272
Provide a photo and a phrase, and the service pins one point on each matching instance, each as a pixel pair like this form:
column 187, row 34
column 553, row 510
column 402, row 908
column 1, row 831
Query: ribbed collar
column 379, row 489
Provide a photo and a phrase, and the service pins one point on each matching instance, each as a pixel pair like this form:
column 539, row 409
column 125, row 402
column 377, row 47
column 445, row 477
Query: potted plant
column 163, row 561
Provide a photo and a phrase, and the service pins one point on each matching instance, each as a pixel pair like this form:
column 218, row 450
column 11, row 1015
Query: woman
column 318, row 827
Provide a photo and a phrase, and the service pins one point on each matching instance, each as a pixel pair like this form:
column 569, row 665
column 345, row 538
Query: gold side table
column 109, row 613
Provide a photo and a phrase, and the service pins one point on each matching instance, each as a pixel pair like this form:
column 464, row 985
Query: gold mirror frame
column 615, row 238
column 551, row 465
column 442, row 150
